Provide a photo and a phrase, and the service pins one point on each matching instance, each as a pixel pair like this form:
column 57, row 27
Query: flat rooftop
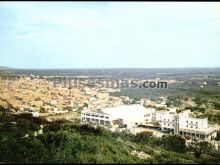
column 129, row 113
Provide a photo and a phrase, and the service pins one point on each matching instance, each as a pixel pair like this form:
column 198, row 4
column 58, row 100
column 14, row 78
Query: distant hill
column 5, row 68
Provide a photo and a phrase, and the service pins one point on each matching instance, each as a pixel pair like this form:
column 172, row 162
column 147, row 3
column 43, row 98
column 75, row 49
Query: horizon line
column 15, row 68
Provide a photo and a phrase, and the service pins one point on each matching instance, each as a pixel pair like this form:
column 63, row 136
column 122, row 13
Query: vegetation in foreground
column 68, row 142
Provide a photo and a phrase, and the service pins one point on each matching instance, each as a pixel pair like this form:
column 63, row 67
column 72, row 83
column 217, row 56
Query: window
column 186, row 125
column 186, row 121
column 191, row 126
column 196, row 122
column 168, row 124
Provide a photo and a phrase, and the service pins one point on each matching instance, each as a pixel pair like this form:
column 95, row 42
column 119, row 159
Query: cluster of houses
column 39, row 95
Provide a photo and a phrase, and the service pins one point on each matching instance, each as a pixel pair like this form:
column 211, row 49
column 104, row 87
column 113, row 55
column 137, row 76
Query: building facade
column 132, row 115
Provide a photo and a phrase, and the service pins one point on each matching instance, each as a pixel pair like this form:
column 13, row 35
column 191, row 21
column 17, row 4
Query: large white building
column 125, row 114
column 178, row 123
column 184, row 124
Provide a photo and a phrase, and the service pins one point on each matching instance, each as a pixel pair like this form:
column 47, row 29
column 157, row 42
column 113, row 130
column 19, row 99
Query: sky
column 36, row 35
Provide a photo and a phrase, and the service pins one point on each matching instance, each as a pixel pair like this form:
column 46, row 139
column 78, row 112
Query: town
column 95, row 105
column 182, row 117
column 109, row 83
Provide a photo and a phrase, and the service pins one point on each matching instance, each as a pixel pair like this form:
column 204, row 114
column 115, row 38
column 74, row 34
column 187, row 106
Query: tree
column 4, row 111
column 174, row 143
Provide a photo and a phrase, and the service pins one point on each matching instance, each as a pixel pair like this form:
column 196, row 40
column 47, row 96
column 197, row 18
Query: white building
column 150, row 115
column 33, row 112
column 95, row 117
column 158, row 115
column 135, row 114
column 130, row 114
column 186, row 125
column 125, row 114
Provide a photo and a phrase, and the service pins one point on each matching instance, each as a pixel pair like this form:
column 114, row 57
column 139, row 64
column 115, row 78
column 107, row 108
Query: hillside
column 68, row 142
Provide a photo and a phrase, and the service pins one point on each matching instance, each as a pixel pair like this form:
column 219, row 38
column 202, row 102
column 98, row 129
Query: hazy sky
column 109, row 34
